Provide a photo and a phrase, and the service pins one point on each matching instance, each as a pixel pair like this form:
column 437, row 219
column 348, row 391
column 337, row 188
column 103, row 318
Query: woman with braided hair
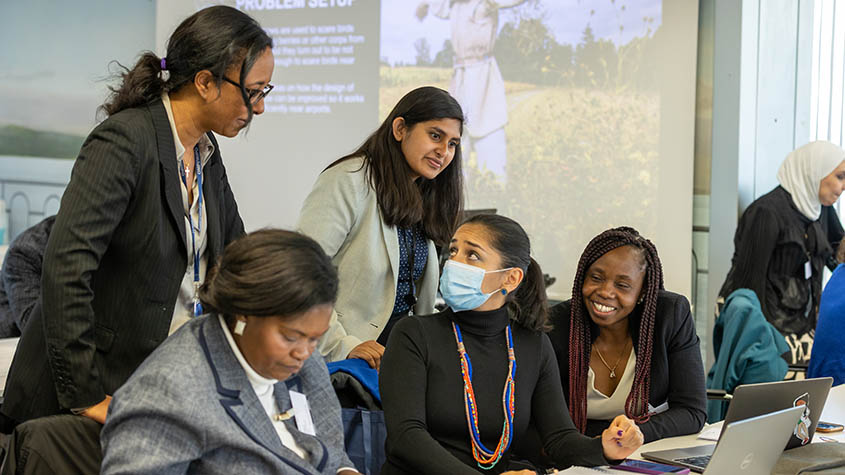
column 625, row 345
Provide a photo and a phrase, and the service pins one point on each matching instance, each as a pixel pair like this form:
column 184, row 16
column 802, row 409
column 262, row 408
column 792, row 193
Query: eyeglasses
column 254, row 95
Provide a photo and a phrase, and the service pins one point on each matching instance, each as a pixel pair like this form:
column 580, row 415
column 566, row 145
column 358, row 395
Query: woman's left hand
column 621, row 439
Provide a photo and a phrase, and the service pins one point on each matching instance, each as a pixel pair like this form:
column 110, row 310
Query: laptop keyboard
column 698, row 461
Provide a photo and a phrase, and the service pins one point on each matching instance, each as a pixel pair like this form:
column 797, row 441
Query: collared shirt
column 263, row 388
column 183, row 310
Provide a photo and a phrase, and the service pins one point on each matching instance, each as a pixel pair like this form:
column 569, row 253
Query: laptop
column 751, row 400
column 751, row 446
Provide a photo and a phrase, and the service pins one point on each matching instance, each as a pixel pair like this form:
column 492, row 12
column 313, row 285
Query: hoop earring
column 239, row 327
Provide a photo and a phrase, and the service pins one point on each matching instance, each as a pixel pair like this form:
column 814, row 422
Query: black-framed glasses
column 254, row 95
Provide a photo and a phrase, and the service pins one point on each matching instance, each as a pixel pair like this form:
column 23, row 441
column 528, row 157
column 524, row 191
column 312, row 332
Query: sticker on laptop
column 802, row 429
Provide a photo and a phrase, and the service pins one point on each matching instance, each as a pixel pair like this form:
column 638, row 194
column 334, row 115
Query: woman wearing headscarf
column 786, row 237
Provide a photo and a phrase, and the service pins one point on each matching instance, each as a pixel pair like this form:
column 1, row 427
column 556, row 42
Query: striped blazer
column 113, row 265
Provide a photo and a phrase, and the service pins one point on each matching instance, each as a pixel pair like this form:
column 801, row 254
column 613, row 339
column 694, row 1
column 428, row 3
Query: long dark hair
column 528, row 304
column 580, row 339
column 215, row 39
column 270, row 273
column 438, row 203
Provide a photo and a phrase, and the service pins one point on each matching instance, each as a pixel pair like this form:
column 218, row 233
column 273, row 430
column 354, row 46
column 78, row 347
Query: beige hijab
column 803, row 170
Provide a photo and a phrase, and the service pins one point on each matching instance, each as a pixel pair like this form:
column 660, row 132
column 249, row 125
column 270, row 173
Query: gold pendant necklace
column 613, row 369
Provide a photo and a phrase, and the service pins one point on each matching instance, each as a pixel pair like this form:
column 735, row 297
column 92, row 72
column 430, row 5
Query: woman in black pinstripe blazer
column 148, row 200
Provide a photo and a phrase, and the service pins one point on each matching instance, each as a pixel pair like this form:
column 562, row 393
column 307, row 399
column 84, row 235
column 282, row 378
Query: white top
column 263, row 388
column 603, row 407
column 184, row 308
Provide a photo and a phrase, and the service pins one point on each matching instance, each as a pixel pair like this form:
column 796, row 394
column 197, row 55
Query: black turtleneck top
column 423, row 397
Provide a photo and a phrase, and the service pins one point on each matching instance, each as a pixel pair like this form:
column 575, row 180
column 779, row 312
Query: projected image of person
column 445, row 377
column 147, row 208
column 477, row 82
column 625, row 345
column 379, row 212
column 786, row 238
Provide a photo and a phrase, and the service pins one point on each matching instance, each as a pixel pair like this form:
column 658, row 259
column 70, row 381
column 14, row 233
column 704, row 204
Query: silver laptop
column 750, row 447
column 751, row 400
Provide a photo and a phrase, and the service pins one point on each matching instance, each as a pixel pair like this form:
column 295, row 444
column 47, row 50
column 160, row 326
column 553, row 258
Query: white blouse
column 603, row 407
column 263, row 388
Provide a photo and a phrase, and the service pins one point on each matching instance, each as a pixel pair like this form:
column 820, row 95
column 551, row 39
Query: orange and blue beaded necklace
column 484, row 457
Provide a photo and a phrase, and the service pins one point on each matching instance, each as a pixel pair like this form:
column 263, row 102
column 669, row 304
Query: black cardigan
column 772, row 244
column 677, row 373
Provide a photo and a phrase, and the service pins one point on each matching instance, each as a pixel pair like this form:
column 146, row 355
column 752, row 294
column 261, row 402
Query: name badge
column 302, row 413
column 808, row 270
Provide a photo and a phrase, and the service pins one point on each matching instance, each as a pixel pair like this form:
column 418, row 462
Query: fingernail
column 619, row 433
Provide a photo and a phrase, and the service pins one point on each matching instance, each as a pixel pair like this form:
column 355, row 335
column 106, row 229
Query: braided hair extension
column 636, row 405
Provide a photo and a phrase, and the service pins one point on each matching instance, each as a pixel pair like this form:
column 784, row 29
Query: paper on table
column 588, row 470
column 711, row 432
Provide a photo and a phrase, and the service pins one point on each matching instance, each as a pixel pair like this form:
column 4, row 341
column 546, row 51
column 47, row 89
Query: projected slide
column 326, row 74
column 562, row 107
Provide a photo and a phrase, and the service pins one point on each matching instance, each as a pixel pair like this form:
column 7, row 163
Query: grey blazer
column 189, row 408
column 342, row 214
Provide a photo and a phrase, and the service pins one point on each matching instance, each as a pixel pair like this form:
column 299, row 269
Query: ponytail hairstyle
column 580, row 325
column 217, row 39
column 437, row 203
column 528, row 304
column 270, row 272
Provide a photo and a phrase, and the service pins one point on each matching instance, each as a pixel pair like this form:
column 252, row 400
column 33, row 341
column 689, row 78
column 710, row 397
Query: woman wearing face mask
column 379, row 212
column 786, row 237
column 625, row 345
column 223, row 394
column 460, row 388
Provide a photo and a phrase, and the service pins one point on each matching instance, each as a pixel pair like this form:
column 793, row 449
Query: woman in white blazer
column 374, row 211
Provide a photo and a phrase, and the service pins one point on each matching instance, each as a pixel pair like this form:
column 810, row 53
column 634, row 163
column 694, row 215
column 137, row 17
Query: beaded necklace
column 484, row 457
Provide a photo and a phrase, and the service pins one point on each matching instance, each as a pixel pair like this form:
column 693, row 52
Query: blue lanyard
column 198, row 172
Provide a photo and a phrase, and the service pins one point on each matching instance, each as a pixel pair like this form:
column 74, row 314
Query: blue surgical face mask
column 460, row 286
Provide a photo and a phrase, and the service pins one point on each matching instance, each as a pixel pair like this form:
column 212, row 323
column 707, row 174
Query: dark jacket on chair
column 113, row 266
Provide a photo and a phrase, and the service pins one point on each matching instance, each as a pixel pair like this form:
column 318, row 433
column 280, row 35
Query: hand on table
column 621, row 439
column 370, row 351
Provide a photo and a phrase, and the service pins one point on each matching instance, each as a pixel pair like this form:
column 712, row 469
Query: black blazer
column 113, row 265
column 677, row 373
